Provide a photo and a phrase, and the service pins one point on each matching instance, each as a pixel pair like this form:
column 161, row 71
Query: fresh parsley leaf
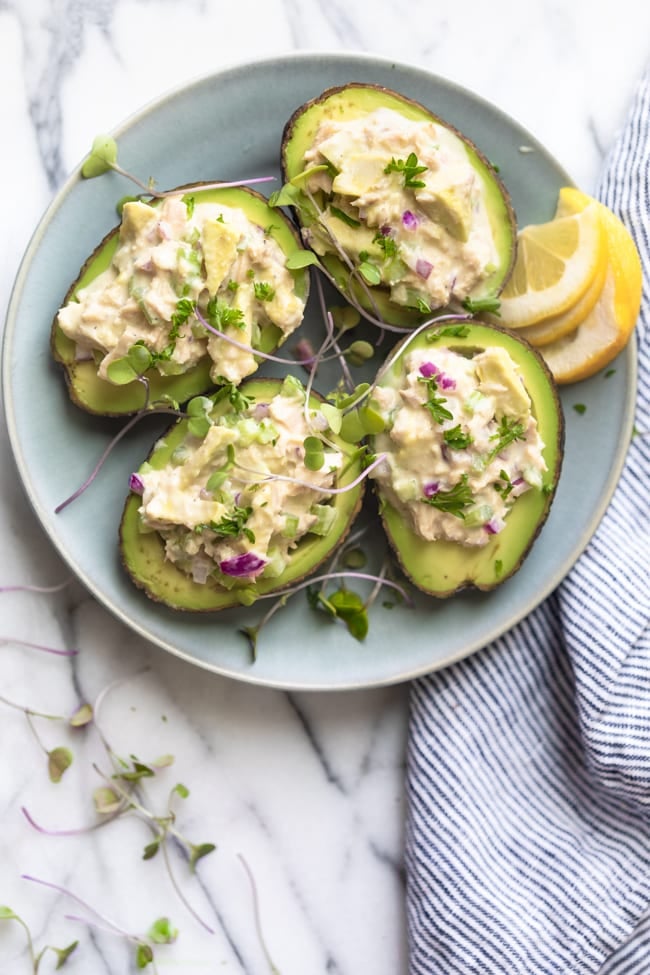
column 221, row 315
column 344, row 217
column 503, row 486
column 476, row 305
column 385, row 244
column 456, row 439
column 580, row 408
column 509, row 431
column 231, row 525
column 454, row 500
column 264, row 291
column 410, row 168
column 435, row 403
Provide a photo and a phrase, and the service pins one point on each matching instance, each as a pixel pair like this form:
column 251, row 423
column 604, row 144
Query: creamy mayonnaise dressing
column 253, row 511
column 438, row 243
column 487, row 450
column 174, row 252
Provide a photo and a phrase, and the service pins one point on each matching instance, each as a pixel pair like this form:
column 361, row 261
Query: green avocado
column 447, row 206
column 143, row 554
column 443, row 567
column 96, row 395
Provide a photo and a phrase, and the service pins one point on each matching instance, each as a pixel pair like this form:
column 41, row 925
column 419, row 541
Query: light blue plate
column 229, row 126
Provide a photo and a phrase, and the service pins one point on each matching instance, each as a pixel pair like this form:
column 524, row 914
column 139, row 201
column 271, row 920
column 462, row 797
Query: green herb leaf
column 106, row 800
column 62, row 954
column 434, row 403
column 456, row 439
column 103, row 157
column 451, row 331
column 410, row 168
column 151, row 849
column 143, row 955
column 181, row 790
column 221, row 315
column 198, row 851
column 284, row 197
column 509, row 431
column 81, row 717
column 476, row 305
column 264, row 291
column 333, row 416
column 59, row 761
column 580, row 408
column 453, row 501
column 359, row 352
column 344, row 217
column 120, row 372
column 386, row 243
column 300, row 259
column 162, row 932
column 370, row 272
column 231, row 525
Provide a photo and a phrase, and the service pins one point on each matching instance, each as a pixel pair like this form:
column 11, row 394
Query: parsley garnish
column 456, row 439
column 264, row 291
column 345, row 217
column 435, row 403
column 386, row 244
column 505, row 485
column 580, row 408
column 476, row 305
column 238, row 400
column 451, row 331
column 220, row 315
column 508, row 432
column 231, row 525
column 454, row 500
column 409, row 168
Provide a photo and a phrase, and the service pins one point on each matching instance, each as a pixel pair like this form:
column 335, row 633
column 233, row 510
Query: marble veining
column 306, row 787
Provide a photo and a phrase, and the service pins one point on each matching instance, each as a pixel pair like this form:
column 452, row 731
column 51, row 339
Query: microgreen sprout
column 257, row 916
column 62, row 954
column 4, row 640
column 252, row 632
column 103, row 158
column 149, row 411
column 489, row 304
column 409, row 168
column 40, row 589
column 160, row 932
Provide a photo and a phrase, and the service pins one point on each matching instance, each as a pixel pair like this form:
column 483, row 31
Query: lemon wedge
column 607, row 328
column 556, row 264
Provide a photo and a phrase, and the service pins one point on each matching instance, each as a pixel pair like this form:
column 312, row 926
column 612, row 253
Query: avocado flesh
column 354, row 101
column 100, row 397
column 442, row 567
column 143, row 553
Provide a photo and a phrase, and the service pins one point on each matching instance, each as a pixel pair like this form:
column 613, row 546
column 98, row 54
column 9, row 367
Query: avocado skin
column 143, row 556
column 356, row 99
column 443, row 568
column 101, row 398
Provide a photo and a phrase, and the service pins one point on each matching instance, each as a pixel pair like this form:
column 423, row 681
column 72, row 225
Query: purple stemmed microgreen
column 151, row 411
column 38, row 589
column 160, row 932
column 59, row 759
column 103, row 158
column 257, row 916
column 346, row 608
column 4, row 640
column 62, row 954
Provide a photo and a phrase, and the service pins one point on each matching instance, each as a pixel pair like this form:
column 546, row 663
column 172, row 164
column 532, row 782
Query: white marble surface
column 307, row 787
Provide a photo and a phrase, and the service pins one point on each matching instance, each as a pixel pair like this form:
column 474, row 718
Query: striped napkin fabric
column 528, row 777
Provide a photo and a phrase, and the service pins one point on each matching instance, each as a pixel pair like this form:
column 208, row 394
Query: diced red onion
column 386, row 230
column 431, row 488
column 446, row 382
column 409, row 220
column 494, row 526
column 247, row 564
column 423, row 268
column 261, row 410
column 428, row 369
column 136, row 484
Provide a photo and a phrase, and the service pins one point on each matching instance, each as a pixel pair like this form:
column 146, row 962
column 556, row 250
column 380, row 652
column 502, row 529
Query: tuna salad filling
column 461, row 443
column 172, row 261
column 229, row 506
column 406, row 205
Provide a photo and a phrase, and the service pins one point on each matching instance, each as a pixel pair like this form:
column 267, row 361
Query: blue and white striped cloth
column 528, row 827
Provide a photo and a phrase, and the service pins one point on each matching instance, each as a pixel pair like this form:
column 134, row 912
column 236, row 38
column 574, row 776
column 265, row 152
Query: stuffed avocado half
column 472, row 445
column 241, row 498
column 149, row 302
column 405, row 213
